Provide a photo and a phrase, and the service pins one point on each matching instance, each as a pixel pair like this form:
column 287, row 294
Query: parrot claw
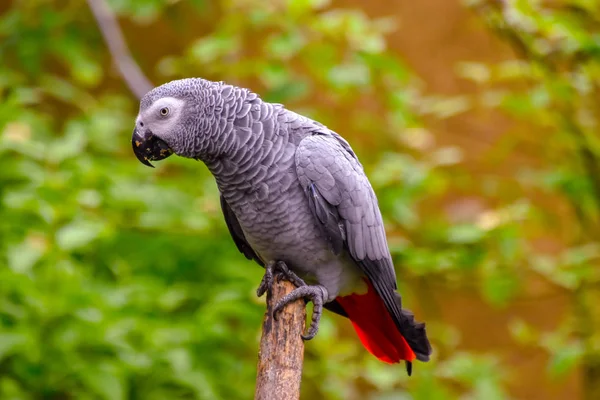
column 267, row 279
column 271, row 269
column 289, row 275
column 317, row 294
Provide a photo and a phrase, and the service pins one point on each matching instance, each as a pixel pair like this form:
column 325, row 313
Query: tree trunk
column 281, row 348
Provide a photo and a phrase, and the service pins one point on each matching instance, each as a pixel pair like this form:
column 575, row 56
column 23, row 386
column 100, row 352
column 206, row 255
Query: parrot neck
column 220, row 112
column 252, row 148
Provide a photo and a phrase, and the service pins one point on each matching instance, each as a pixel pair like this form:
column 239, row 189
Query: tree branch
column 281, row 348
column 131, row 73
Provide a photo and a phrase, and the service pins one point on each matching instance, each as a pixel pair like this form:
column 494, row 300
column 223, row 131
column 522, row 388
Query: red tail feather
column 375, row 327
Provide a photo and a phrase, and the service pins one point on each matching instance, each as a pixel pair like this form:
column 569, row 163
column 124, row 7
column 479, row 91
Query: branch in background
column 131, row 73
column 281, row 348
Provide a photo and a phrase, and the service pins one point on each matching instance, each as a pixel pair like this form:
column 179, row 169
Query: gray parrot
column 295, row 199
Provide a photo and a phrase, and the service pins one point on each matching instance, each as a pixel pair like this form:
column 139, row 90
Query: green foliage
column 558, row 96
column 120, row 282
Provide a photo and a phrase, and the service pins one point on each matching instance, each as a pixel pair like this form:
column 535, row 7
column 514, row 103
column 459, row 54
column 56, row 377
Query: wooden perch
column 281, row 348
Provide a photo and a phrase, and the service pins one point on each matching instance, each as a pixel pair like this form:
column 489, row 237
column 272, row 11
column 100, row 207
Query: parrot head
column 163, row 124
column 152, row 124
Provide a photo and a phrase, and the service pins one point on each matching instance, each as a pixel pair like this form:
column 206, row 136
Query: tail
column 378, row 332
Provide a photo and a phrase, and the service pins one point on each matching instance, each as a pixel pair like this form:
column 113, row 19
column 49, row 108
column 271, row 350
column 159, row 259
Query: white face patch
column 161, row 117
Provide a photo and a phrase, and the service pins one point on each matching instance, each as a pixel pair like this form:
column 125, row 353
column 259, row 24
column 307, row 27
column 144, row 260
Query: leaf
column 78, row 234
column 489, row 389
column 105, row 382
column 199, row 382
column 285, row 46
column 349, row 75
column 564, row 359
column 477, row 72
column 465, row 234
column 523, row 332
column 10, row 343
column 447, row 156
column 23, row 256
column 211, row 49
column 499, row 284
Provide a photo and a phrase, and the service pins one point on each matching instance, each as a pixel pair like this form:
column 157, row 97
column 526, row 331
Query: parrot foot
column 317, row 294
column 267, row 279
column 273, row 267
column 289, row 275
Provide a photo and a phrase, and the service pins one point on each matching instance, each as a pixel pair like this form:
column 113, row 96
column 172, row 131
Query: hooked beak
column 148, row 147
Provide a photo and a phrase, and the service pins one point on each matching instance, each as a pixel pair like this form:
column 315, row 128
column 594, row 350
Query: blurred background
column 477, row 122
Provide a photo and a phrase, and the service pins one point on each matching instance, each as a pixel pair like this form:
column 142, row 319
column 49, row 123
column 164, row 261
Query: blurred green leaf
column 564, row 359
column 78, row 234
column 464, row 234
column 10, row 343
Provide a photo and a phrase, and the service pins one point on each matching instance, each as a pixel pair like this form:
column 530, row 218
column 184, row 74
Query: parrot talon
column 317, row 294
column 289, row 275
column 267, row 279
column 277, row 270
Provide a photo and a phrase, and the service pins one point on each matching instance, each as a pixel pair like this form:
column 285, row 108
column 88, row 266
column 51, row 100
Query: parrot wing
column 344, row 203
column 237, row 234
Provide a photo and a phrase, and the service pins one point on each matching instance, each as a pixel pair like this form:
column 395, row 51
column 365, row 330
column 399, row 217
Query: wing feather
column 237, row 234
column 348, row 212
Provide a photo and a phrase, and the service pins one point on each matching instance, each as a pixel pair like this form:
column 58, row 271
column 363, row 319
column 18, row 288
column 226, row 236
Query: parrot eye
column 164, row 111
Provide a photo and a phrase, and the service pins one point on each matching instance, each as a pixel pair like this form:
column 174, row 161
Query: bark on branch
column 281, row 348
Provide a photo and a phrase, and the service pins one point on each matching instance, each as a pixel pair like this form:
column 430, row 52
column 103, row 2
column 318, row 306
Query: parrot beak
column 148, row 147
